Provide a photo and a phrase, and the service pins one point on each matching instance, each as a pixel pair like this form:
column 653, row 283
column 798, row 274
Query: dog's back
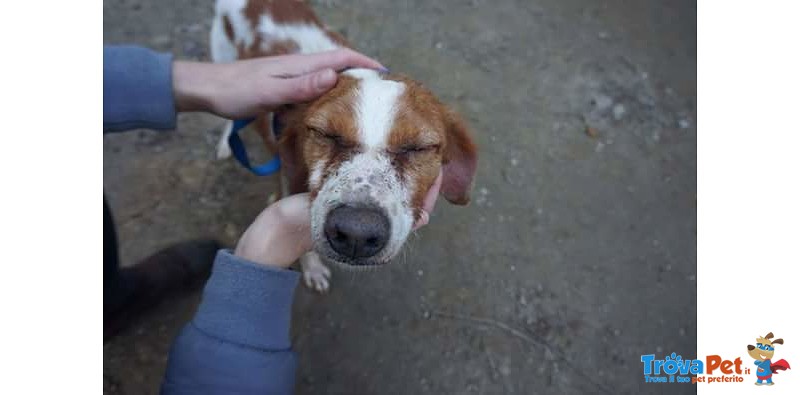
column 244, row 29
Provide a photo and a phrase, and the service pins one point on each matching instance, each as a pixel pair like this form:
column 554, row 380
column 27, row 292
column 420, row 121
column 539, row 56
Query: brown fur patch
column 281, row 12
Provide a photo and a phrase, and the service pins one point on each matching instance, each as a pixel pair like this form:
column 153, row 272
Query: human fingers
column 340, row 59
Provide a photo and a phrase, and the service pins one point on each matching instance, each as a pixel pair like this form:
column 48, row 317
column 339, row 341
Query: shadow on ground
column 576, row 257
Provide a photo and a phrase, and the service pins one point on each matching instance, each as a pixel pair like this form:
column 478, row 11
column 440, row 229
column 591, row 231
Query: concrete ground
column 576, row 257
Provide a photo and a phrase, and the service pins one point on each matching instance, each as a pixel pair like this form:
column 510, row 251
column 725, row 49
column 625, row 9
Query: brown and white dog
column 367, row 151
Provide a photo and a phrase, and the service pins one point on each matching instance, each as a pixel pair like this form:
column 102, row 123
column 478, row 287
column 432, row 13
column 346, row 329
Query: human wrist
column 279, row 235
column 193, row 85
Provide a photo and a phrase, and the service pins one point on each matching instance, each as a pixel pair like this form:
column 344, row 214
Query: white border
column 51, row 279
column 748, row 184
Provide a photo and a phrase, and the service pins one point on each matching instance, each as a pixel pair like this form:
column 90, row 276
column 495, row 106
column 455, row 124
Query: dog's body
column 367, row 151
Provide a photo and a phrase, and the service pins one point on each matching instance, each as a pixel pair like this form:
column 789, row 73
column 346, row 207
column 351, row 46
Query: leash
column 240, row 153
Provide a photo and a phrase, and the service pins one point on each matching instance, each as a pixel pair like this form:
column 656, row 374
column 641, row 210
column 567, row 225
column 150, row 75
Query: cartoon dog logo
column 762, row 352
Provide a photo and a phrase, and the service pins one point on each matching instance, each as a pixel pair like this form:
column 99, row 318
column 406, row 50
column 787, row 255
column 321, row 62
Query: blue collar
column 240, row 153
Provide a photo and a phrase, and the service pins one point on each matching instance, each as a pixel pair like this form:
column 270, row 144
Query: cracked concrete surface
column 576, row 256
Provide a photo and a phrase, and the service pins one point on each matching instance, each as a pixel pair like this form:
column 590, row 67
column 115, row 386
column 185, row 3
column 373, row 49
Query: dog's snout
column 357, row 232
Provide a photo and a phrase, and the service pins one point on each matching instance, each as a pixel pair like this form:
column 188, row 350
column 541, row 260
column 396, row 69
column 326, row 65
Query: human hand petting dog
column 244, row 88
column 281, row 234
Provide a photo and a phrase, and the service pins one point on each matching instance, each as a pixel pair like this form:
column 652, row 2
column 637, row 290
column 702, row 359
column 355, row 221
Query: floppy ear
column 777, row 341
column 769, row 336
column 459, row 161
column 290, row 147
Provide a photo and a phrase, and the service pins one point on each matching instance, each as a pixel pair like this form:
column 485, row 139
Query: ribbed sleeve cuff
column 137, row 89
column 247, row 303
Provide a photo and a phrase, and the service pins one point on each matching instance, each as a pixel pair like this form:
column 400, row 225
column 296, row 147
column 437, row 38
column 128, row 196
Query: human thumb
column 309, row 86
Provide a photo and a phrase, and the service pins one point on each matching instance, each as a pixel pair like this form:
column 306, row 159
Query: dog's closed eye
column 331, row 137
column 413, row 149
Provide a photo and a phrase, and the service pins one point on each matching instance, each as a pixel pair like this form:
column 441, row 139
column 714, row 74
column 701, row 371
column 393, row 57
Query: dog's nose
column 357, row 232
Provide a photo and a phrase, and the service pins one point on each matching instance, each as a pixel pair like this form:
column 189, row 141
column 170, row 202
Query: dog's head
column 764, row 348
column 371, row 148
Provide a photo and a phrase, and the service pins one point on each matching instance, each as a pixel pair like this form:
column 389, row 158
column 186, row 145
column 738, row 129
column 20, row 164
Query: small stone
column 683, row 123
column 617, row 332
column 514, row 161
column 602, row 102
column 659, row 349
column 484, row 191
column 592, row 132
column 522, row 300
column 195, row 28
column 656, row 137
column 602, row 35
column 439, row 45
column 599, row 147
column 682, row 332
column 618, row 111
column 505, row 370
column 420, row 273
column 513, row 268
column 426, row 314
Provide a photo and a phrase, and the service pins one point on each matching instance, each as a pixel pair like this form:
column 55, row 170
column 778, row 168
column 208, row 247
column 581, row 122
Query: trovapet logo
column 674, row 368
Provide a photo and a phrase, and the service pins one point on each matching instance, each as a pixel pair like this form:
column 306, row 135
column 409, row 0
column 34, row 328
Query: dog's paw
column 223, row 148
column 317, row 278
column 316, row 275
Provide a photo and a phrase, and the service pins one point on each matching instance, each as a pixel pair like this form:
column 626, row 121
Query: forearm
column 194, row 85
column 238, row 341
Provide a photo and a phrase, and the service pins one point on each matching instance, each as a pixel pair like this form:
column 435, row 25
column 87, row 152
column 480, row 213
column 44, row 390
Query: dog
column 763, row 352
column 367, row 151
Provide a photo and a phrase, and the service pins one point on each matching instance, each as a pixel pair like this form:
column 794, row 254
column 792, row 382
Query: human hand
column 244, row 88
column 282, row 232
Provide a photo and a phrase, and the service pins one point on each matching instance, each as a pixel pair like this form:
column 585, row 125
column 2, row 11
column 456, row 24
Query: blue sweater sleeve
column 238, row 341
column 137, row 89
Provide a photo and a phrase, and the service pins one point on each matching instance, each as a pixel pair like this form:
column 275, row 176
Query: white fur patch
column 309, row 38
column 367, row 178
column 315, row 178
column 242, row 32
column 375, row 107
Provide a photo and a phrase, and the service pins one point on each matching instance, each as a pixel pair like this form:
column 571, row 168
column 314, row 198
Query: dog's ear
column 289, row 120
column 777, row 341
column 769, row 336
column 750, row 347
column 459, row 161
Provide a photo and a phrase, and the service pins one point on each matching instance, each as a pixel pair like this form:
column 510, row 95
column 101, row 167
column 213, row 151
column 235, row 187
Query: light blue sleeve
column 137, row 89
column 238, row 341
